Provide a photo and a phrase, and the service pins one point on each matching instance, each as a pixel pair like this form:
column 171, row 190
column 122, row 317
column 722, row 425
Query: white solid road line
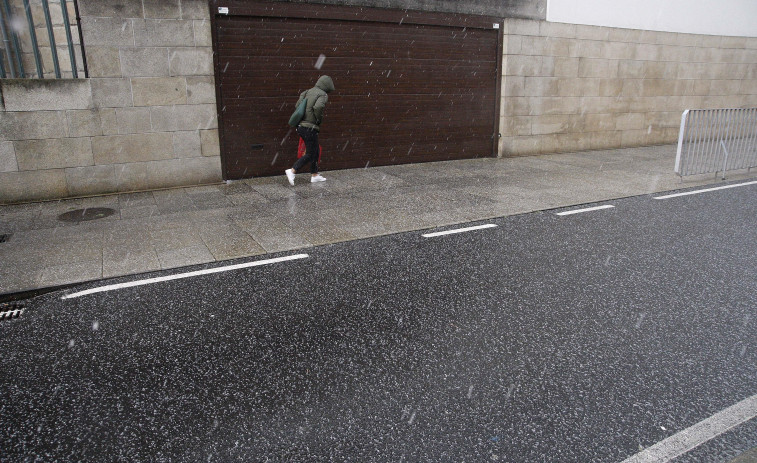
column 706, row 190
column 179, row 276
column 696, row 435
column 458, row 230
column 588, row 209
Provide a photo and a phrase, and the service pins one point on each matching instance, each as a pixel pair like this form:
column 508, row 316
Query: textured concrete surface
column 186, row 226
column 580, row 338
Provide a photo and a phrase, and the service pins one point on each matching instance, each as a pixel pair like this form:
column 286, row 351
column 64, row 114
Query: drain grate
column 83, row 215
column 4, row 238
column 11, row 311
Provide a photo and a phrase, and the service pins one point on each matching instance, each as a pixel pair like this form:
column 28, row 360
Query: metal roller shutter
column 405, row 92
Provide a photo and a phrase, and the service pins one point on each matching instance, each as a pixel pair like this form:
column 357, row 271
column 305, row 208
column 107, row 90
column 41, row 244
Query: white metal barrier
column 716, row 140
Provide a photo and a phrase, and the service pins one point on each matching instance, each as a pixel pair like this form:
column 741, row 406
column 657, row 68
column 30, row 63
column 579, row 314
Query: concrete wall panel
column 201, row 90
column 8, row 157
column 122, row 149
column 103, row 62
column 107, row 32
column 46, row 95
column 209, row 143
column 111, row 93
column 133, row 120
column 84, row 123
column 33, row 185
column 33, row 125
column 53, row 153
column 191, row 61
column 111, row 8
column 162, row 174
column 195, row 9
column 144, row 62
column 91, row 180
column 187, row 144
column 158, row 91
column 162, row 9
column 163, row 33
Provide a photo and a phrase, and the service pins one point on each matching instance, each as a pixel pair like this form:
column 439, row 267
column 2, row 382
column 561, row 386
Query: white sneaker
column 290, row 176
column 317, row 179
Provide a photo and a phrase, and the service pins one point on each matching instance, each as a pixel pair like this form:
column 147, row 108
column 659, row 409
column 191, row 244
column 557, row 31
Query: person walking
column 310, row 126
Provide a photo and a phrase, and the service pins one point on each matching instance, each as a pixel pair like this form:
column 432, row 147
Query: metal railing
column 20, row 45
column 716, row 140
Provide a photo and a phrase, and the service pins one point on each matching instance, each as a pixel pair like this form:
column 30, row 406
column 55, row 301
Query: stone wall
column 570, row 87
column 146, row 118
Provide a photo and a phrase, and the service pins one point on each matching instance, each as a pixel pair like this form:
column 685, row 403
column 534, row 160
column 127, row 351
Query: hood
column 325, row 83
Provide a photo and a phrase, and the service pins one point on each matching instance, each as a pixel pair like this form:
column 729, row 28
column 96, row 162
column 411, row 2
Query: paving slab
column 72, row 272
column 140, row 199
column 181, row 257
column 128, row 258
column 137, row 212
column 272, row 235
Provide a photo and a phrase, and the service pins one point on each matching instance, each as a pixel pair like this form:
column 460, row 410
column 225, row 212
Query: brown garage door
column 404, row 92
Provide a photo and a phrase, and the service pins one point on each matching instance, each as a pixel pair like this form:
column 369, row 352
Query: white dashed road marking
column 588, row 209
column 179, row 276
column 696, row 435
column 706, row 190
column 458, row 230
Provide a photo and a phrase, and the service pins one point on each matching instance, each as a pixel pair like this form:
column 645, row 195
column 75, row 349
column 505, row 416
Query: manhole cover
column 82, row 215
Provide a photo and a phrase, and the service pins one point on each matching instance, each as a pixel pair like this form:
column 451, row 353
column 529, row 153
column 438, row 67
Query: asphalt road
column 576, row 338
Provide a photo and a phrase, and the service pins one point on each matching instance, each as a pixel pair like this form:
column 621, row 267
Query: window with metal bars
column 40, row 40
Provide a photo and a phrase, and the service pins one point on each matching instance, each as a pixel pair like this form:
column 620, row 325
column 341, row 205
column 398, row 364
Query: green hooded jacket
column 317, row 99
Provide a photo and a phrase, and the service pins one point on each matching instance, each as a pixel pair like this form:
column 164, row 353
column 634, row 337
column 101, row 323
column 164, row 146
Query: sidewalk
column 186, row 226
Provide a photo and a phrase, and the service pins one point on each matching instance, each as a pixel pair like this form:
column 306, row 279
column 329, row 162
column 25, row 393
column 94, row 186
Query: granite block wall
column 568, row 87
column 144, row 119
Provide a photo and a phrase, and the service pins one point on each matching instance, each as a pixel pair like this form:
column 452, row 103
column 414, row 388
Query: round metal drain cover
column 82, row 215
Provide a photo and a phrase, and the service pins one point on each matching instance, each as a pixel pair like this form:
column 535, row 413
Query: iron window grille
column 39, row 40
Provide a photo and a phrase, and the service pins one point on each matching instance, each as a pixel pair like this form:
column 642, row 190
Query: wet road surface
column 582, row 337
